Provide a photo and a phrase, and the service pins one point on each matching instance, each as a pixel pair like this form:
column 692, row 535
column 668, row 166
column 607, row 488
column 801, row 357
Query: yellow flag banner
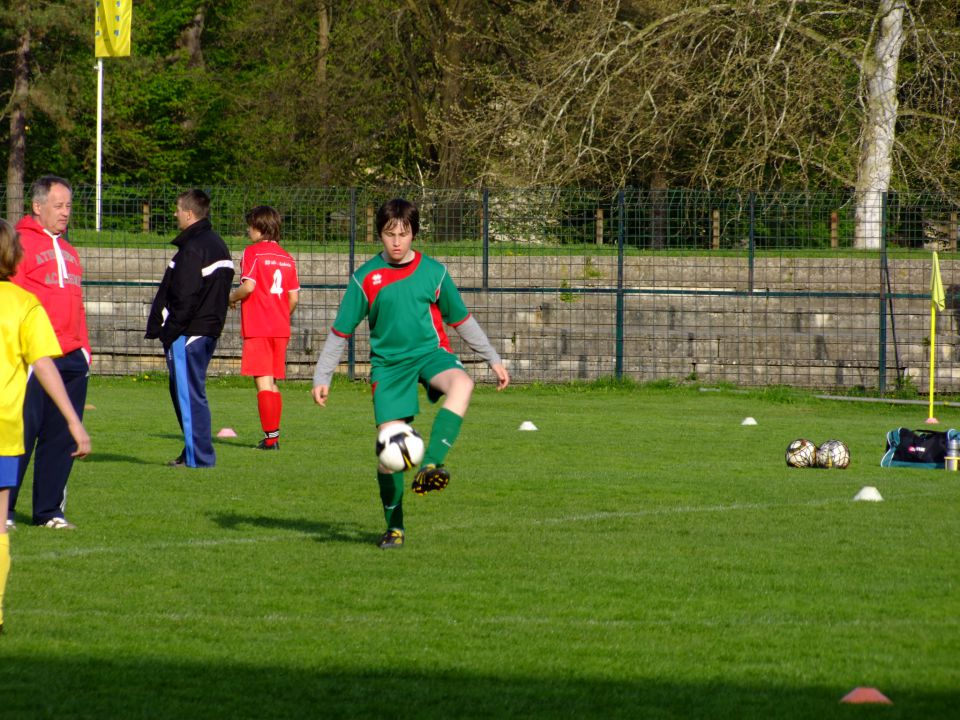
column 937, row 297
column 112, row 28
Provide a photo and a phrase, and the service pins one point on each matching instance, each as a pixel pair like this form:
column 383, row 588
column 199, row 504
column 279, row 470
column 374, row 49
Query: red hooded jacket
column 51, row 270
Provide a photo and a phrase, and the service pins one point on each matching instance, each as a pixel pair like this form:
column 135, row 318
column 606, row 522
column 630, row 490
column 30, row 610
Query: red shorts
column 264, row 356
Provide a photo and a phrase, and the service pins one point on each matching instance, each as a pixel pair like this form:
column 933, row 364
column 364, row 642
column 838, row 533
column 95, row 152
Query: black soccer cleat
column 262, row 445
column 391, row 540
column 430, row 478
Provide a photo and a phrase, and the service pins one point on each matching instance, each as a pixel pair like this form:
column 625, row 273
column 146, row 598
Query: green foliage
column 59, row 131
column 470, row 93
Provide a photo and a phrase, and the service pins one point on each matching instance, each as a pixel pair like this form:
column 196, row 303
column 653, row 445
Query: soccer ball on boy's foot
column 801, row 453
column 833, row 454
column 399, row 447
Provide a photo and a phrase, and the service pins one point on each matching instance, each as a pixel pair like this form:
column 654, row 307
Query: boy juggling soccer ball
column 406, row 298
column 26, row 338
column 268, row 294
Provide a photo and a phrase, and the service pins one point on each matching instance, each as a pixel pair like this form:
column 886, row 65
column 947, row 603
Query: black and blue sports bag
column 917, row 448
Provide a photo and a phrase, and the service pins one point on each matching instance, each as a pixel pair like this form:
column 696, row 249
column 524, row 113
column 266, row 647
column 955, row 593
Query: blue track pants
column 187, row 361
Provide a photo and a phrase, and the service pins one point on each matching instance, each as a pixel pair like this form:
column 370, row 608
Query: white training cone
column 748, row 421
column 868, row 493
column 226, row 432
column 527, row 425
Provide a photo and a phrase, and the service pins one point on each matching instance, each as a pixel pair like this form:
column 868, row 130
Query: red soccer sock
column 270, row 406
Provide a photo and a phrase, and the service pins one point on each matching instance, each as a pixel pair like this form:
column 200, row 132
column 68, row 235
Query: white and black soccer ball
column 833, row 454
column 801, row 453
column 399, row 447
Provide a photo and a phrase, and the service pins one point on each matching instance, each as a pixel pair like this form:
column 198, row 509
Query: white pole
column 99, row 137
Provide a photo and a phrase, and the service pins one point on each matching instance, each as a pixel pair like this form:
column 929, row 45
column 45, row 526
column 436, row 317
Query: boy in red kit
column 268, row 294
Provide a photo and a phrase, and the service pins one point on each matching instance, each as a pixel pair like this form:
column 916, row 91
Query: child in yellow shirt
column 26, row 338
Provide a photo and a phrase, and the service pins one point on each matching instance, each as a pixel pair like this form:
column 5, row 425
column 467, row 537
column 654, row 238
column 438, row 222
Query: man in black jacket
column 187, row 316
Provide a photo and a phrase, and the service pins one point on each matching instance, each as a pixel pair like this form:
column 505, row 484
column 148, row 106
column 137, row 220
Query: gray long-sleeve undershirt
column 470, row 331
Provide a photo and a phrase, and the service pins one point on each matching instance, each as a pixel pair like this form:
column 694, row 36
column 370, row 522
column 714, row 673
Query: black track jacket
column 193, row 294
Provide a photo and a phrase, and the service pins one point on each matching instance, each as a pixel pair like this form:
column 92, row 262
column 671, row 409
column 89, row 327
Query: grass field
column 643, row 555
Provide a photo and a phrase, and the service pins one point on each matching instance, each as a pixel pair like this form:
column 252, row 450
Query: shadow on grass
column 150, row 687
column 176, row 436
column 96, row 457
column 319, row 531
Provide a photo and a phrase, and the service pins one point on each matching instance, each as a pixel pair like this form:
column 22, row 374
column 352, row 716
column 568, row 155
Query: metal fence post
column 752, row 241
column 621, row 215
column 882, row 339
column 351, row 343
column 486, row 239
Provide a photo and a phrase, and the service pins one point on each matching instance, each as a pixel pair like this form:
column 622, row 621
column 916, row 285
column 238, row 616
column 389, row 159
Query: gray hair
column 41, row 187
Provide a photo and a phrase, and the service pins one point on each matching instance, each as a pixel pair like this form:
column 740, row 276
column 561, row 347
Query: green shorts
column 395, row 386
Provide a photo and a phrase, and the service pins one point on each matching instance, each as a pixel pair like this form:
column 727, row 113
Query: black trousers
column 47, row 438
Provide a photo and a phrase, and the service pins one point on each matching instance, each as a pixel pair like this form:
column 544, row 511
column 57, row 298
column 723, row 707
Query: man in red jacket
column 51, row 270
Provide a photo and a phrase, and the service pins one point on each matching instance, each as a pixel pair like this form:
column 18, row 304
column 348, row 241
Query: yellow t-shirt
column 26, row 335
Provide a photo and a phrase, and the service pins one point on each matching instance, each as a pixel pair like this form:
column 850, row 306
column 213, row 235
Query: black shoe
column 430, row 478
column 391, row 540
column 178, row 462
column 262, row 445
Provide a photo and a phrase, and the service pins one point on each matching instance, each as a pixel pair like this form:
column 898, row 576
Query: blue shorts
column 8, row 471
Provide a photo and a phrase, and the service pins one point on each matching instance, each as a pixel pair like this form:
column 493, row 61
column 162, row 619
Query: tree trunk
column 450, row 64
column 659, row 210
column 190, row 38
column 876, row 151
column 325, row 12
column 16, row 163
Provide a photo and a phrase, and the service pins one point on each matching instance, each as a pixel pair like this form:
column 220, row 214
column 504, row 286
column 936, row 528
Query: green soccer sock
column 391, row 494
column 443, row 434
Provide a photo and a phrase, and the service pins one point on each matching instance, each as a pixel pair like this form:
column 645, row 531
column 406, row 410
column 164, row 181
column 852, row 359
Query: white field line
column 685, row 509
column 151, row 547
column 199, row 543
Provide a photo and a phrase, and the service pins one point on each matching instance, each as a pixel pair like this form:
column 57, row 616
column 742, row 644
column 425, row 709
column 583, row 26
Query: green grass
column 642, row 555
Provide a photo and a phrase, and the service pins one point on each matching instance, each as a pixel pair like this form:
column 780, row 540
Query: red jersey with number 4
column 266, row 311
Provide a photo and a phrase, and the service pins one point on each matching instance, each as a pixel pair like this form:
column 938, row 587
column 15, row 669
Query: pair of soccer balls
column 831, row 454
column 399, row 447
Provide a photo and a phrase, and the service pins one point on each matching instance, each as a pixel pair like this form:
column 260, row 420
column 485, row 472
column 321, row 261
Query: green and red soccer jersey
column 266, row 311
column 406, row 307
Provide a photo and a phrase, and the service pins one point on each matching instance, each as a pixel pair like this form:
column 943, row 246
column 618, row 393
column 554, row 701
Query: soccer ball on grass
column 833, row 454
column 801, row 453
column 399, row 447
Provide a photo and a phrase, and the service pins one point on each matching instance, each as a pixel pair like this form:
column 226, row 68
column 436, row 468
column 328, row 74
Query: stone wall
column 806, row 322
